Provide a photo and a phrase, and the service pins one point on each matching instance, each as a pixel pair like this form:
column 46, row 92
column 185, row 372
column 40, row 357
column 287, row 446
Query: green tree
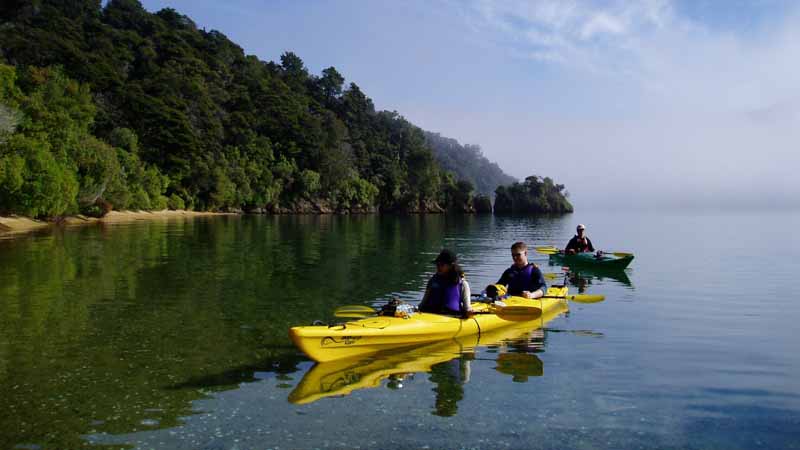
column 180, row 114
column 35, row 183
column 535, row 195
column 330, row 85
column 309, row 183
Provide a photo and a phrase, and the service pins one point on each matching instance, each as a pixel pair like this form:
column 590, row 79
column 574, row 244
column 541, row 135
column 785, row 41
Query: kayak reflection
column 447, row 362
column 583, row 278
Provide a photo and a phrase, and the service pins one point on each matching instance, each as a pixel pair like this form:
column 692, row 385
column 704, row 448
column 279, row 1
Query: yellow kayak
column 374, row 334
column 341, row 377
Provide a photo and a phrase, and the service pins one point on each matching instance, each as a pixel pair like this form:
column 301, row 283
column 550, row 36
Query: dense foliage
column 536, row 195
column 50, row 162
column 113, row 106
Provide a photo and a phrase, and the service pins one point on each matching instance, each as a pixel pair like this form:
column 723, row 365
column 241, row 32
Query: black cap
column 446, row 256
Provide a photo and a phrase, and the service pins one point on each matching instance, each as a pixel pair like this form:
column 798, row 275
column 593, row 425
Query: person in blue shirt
column 523, row 279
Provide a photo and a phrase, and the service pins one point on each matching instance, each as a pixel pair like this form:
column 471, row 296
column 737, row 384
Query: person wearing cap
column 579, row 243
column 447, row 291
column 523, row 279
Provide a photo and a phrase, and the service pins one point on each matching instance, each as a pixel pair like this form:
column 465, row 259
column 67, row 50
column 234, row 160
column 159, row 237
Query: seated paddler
column 580, row 243
column 447, row 291
column 523, row 279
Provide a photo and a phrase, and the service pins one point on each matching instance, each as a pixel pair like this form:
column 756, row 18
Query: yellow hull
column 341, row 377
column 375, row 334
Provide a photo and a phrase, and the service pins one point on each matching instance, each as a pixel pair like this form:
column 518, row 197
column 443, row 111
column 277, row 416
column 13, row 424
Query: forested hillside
column 467, row 162
column 116, row 107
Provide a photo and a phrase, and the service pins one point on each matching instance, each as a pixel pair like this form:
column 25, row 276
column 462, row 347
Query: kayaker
column 523, row 279
column 447, row 291
column 580, row 243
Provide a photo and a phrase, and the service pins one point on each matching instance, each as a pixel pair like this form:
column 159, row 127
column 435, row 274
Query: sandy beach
column 10, row 225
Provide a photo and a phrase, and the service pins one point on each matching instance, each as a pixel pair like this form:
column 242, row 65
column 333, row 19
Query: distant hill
column 536, row 195
column 468, row 163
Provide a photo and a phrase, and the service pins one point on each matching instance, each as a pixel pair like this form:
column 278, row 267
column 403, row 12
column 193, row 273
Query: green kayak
column 591, row 260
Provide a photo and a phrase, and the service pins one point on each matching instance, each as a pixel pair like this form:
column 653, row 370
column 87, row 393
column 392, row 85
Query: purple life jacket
column 521, row 280
column 445, row 295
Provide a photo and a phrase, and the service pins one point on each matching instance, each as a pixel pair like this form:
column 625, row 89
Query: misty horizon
column 654, row 104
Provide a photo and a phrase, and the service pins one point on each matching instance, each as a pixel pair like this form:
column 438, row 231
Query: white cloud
column 601, row 23
column 575, row 33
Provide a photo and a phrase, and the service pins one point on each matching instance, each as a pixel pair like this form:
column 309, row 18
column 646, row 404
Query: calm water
column 174, row 335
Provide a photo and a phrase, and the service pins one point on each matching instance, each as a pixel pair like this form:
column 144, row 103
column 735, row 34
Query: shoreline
column 16, row 225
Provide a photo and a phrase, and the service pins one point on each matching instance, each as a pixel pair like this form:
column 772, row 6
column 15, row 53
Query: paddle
column 618, row 254
column 550, row 250
column 577, row 298
column 547, row 250
column 354, row 311
column 515, row 313
column 506, row 312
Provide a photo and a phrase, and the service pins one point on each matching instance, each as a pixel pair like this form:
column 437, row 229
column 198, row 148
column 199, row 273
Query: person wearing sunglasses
column 447, row 291
column 580, row 243
column 523, row 279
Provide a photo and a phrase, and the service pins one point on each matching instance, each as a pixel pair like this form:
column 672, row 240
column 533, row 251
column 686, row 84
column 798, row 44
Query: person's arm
column 571, row 245
column 539, row 285
column 591, row 247
column 503, row 278
column 426, row 297
column 465, row 296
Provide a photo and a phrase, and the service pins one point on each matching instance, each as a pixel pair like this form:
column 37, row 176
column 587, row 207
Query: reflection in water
column 520, row 366
column 108, row 329
column 147, row 336
column 450, row 378
column 118, row 329
column 282, row 365
column 396, row 380
column 448, row 362
column 583, row 278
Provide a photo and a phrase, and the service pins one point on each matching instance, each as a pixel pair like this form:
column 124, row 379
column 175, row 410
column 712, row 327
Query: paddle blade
column 518, row 313
column 617, row 254
column 352, row 315
column 585, row 298
column 354, row 311
column 547, row 250
column 580, row 298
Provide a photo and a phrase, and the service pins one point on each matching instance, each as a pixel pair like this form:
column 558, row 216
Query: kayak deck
column 374, row 334
column 590, row 260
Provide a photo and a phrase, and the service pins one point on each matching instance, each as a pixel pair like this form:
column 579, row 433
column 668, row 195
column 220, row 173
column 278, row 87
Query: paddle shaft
column 553, row 251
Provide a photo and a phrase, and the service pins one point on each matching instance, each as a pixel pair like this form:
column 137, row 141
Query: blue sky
column 631, row 104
